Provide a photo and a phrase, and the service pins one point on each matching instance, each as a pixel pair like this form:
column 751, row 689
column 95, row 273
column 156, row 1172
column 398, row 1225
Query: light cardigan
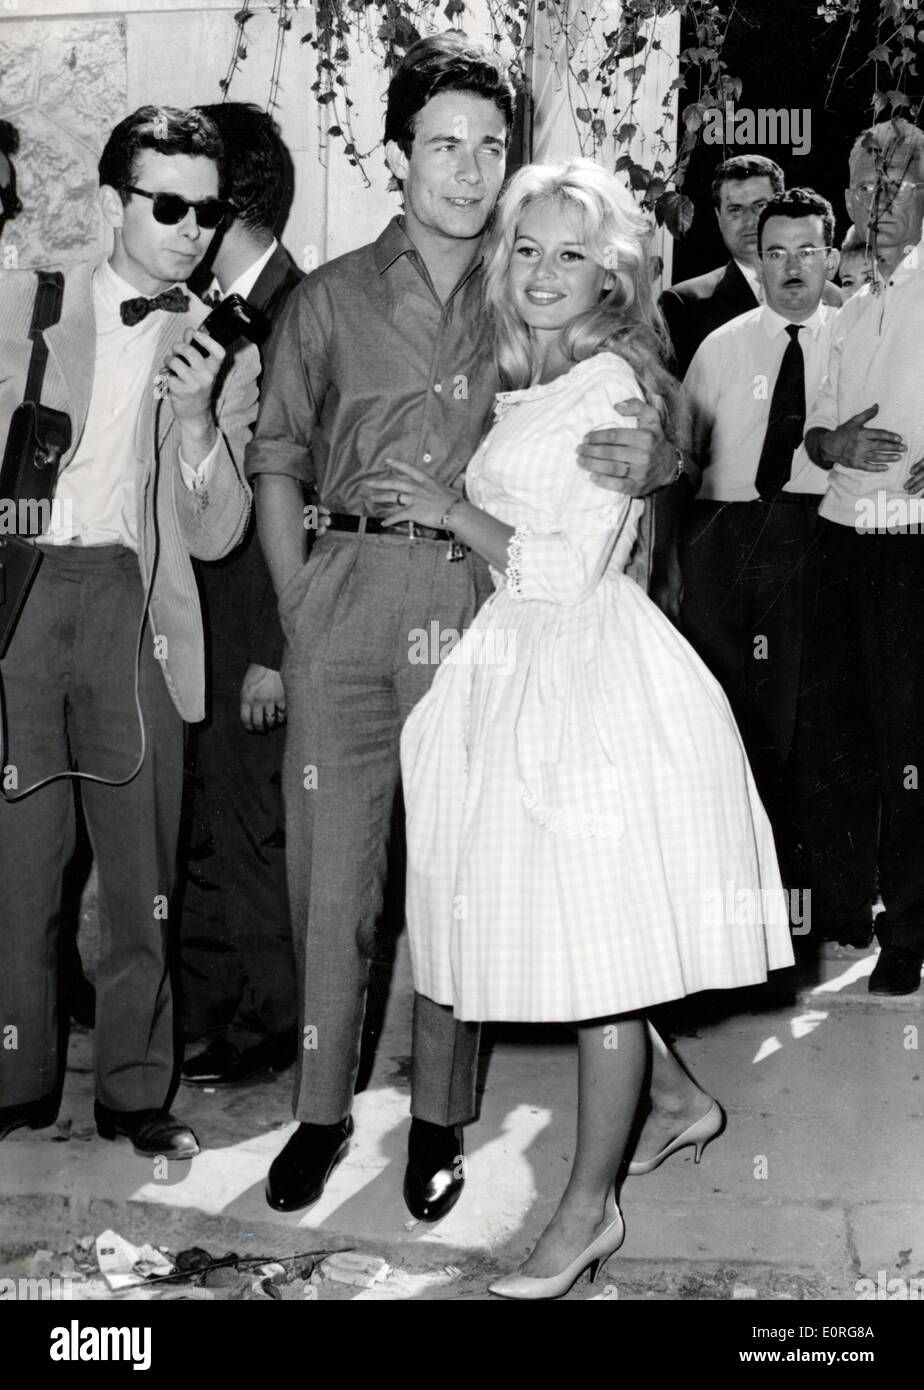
column 180, row 522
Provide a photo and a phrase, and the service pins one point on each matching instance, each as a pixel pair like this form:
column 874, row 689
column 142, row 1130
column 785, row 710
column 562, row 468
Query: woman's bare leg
column 612, row 1063
column 676, row 1100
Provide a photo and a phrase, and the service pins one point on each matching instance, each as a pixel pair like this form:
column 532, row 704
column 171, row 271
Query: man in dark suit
column 741, row 189
column 237, row 967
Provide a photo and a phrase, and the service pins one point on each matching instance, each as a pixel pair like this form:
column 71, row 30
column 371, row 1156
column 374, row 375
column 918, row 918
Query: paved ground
column 816, row 1183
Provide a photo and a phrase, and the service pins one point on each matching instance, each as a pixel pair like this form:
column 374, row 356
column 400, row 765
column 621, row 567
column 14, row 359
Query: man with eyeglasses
column 741, row 189
column 866, row 430
column 152, row 478
column 745, row 544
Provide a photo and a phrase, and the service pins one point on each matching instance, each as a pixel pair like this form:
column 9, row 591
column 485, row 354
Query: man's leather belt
column 371, row 526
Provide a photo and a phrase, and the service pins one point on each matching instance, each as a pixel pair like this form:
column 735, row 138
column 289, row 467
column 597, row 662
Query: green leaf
column 583, row 114
column 626, row 132
column 638, row 177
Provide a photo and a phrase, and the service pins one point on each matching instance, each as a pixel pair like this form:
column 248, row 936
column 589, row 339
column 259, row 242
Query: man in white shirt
column 106, row 660
column 867, row 428
column 746, row 543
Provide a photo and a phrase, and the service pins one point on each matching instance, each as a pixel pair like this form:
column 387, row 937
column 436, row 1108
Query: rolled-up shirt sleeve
column 565, row 563
column 293, row 389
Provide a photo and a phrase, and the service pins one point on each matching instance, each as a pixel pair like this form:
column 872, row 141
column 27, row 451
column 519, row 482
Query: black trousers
column 69, row 698
column 237, row 965
column 747, row 567
column 864, row 734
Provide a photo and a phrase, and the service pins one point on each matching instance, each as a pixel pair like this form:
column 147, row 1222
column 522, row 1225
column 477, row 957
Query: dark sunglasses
column 170, row 208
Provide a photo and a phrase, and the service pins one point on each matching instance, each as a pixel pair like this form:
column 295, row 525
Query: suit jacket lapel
column 736, row 289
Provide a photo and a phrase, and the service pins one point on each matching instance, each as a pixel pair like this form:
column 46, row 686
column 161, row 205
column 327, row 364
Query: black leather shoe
column 298, row 1175
column 153, row 1133
column 222, row 1064
column 34, row 1114
column 897, row 972
column 434, row 1177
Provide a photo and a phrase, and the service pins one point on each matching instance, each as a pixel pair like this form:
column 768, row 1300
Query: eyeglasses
column 894, row 190
column 170, row 208
column 804, row 255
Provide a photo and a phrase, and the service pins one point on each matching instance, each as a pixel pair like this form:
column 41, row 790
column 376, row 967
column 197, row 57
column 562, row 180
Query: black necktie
column 786, row 422
column 135, row 310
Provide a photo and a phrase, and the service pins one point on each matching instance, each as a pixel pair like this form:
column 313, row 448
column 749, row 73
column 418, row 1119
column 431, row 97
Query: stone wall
column 62, row 83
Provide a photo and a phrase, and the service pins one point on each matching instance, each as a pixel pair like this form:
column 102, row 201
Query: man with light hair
column 867, row 428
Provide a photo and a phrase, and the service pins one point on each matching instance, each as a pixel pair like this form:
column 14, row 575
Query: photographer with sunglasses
column 106, row 660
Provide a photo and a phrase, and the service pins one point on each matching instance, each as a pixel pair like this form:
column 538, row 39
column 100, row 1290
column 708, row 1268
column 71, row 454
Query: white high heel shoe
column 525, row 1286
column 699, row 1134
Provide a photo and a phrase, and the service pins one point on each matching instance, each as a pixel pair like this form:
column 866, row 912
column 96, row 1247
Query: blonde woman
column 579, row 803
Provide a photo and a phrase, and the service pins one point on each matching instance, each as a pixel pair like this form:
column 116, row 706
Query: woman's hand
column 406, row 493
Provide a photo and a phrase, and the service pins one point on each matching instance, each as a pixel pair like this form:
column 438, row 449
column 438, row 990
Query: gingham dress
column 584, row 834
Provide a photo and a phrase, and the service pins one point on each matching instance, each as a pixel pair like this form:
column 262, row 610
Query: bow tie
column 135, row 310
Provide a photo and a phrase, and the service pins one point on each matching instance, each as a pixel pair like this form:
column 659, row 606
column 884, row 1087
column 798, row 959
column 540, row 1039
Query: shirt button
column 428, row 458
column 438, row 387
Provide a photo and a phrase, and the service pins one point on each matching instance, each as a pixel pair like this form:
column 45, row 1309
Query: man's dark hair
column 448, row 62
column 258, row 167
column 165, row 129
column 9, row 139
column 798, row 202
column 747, row 166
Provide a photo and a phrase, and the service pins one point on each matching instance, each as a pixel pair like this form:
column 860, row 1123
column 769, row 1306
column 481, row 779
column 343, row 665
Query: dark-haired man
column 152, row 478
column 745, row 543
column 236, row 962
column 385, row 352
column 741, row 188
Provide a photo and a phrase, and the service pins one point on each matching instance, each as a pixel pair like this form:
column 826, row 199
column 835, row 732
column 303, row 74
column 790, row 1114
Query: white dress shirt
column 729, row 387
column 245, row 281
column 95, row 500
column 877, row 358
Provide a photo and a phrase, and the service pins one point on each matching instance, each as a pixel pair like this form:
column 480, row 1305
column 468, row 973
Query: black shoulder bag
column 38, row 437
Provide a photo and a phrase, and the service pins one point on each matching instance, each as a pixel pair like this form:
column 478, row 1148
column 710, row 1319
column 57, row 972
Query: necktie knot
column 793, row 330
column 132, row 311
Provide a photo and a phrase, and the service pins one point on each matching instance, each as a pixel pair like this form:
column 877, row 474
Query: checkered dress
column 584, row 834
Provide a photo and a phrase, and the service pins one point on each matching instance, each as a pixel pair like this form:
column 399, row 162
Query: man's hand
column 191, row 387
column 263, row 699
column 852, row 445
column 633, row 461
column 915, row 483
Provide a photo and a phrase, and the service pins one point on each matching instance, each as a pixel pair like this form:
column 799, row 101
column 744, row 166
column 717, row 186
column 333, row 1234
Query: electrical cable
column 73, row 774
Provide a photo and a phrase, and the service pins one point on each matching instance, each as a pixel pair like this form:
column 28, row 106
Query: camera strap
column 46, row 311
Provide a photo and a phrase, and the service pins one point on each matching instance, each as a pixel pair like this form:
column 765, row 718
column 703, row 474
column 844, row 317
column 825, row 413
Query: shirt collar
column 111, row 290
column 775, row 324
column 245, row 282
column 912, row 260
column 395, row 242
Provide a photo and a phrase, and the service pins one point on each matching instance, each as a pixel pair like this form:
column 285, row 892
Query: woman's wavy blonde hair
column 616, row 234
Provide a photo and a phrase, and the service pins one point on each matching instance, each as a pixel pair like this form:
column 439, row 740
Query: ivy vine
column 600, row 72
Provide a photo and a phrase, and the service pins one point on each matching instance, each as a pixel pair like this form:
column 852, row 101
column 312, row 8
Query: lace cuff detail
column 514, row 560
